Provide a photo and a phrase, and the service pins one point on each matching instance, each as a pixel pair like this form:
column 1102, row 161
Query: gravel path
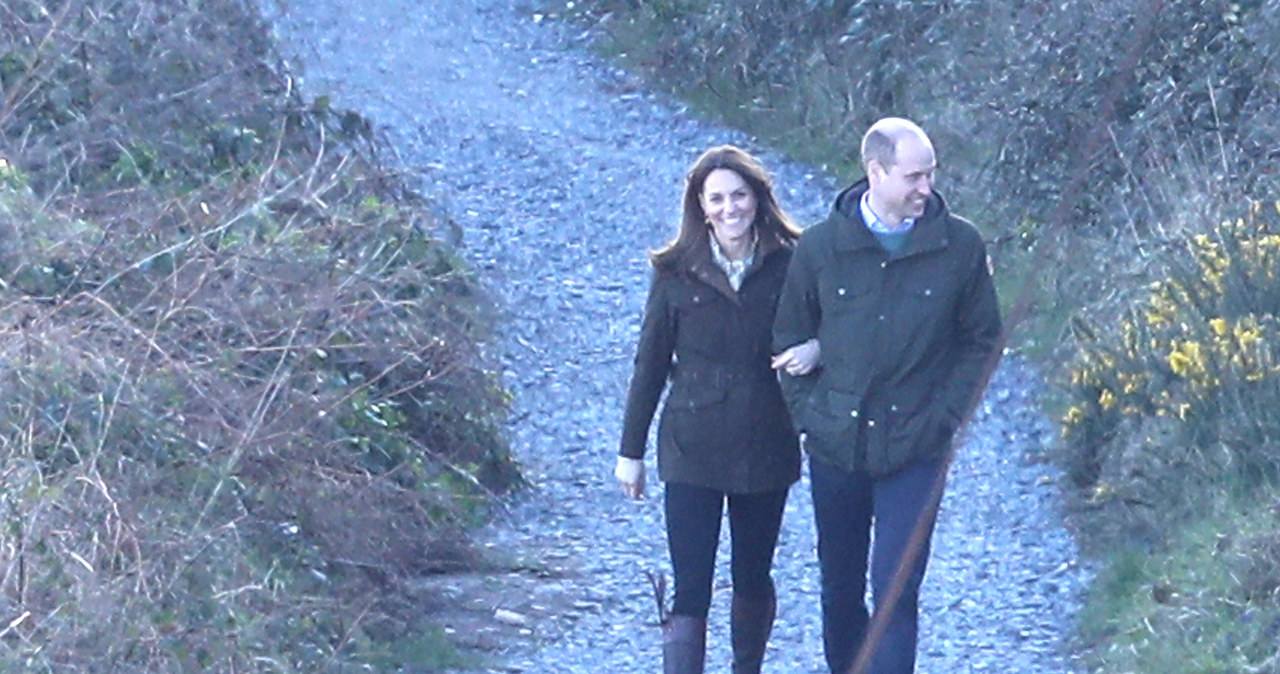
column 562, row 171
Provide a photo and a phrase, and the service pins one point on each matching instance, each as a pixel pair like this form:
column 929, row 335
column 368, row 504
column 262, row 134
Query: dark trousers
column 693, row 533
column 846, row 506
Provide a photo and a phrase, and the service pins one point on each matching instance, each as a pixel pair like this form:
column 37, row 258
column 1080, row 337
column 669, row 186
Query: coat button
column 871, row 423
column 840, row 291
column 854, row 414
column 884, row 265
column 893, row 408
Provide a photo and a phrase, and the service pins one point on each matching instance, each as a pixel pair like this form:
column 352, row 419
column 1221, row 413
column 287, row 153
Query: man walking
column 898, row 295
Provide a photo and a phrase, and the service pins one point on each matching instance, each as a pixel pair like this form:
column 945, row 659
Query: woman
column 725, row 434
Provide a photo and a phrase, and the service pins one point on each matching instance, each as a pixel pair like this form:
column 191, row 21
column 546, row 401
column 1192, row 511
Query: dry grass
column 243, row 397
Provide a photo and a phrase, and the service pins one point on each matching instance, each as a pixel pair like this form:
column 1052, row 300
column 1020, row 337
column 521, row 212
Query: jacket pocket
column 926, row 433
column 699, row 319
column 695, row 417
column 694, row 398
column 833, row 413
column 840, row 295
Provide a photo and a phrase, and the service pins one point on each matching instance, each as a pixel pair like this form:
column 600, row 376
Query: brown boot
column 751, row 623
column 684, row 644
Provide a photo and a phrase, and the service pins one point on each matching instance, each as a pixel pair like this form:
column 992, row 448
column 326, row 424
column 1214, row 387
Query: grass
column 1205, row 604
column 244, row 396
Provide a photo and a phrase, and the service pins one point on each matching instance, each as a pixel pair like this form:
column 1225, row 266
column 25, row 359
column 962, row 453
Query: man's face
column 900, row 191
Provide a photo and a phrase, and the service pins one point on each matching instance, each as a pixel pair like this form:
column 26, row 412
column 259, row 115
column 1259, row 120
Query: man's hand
column 800, row 359
column 630, row 474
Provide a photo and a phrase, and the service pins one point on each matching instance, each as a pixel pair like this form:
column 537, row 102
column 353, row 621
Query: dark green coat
column 724, row 424
column 905, row 338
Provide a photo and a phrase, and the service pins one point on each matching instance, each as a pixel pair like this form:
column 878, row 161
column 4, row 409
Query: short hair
column 880, row 143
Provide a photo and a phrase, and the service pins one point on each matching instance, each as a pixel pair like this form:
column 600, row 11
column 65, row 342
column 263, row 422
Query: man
column 893, row 293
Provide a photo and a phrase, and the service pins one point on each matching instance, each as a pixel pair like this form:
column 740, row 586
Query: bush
column 1031, row 103
column 1180, row 392
column 244, row 394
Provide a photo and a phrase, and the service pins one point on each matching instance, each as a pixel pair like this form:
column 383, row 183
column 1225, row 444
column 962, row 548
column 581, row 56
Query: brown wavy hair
column 771, row 222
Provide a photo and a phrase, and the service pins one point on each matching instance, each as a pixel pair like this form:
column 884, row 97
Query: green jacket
column 724, row 425
column 906, row 338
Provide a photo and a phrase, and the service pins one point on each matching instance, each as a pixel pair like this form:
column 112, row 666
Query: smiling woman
column 730, row 205
column 725, row 436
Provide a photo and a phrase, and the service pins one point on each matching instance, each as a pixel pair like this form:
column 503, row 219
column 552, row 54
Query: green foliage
column 1181, row 389
column 244, row 396
column 1209, row 604
column 1171, row 435
column 1011, row 91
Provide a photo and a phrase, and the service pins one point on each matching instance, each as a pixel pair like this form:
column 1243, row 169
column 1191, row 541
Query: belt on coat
column 719, row 375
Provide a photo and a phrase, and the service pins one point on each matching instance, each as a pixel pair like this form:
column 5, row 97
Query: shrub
column 1031, row 102
column 1181, row 390
column 244, row 396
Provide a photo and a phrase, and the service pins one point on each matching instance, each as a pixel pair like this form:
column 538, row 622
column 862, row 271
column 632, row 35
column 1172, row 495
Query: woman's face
column 730, row 206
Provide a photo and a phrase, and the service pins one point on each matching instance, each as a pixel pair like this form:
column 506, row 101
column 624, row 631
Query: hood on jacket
column 848, row 202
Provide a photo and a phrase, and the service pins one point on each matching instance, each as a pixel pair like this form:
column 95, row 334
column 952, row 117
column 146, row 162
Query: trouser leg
column 901, row 500
column 693, row 530
column 693, row 517
column 842, row 506
column 754, row 521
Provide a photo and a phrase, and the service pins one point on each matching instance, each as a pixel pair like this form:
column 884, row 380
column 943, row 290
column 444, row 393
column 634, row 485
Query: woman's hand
column 630, row 474
column 800, row 359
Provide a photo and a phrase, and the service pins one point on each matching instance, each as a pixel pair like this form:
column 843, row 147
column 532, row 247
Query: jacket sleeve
column 798, row 317
column 651, row 368
column 978, row 336
column 799, row 313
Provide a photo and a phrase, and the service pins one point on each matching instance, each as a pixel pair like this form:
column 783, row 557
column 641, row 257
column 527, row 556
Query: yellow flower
column 1186, row 358
column 1073, row 416
column 1219, row 326
column 1247, row 336
column 1106, row 399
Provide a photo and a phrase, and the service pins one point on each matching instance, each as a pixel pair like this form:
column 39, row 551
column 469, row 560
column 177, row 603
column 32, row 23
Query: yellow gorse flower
column 1185, row 359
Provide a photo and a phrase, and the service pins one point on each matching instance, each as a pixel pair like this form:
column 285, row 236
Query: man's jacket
column 724, row 425
column 906, row 338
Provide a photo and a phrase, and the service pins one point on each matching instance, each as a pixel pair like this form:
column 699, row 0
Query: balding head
column 880, row 143
column 899, row 161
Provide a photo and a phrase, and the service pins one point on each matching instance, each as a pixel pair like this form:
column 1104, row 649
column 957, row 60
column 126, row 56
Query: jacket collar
column 697, row 262
column 851, row 233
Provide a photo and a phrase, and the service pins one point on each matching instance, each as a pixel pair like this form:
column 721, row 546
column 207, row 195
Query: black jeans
column 845, row 507
column 693, row 533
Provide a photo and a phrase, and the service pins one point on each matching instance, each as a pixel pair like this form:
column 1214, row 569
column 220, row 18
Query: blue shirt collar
column 875, row 224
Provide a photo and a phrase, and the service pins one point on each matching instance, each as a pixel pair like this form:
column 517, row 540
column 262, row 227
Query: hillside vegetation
column 1121, row 159
column 244, row 396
